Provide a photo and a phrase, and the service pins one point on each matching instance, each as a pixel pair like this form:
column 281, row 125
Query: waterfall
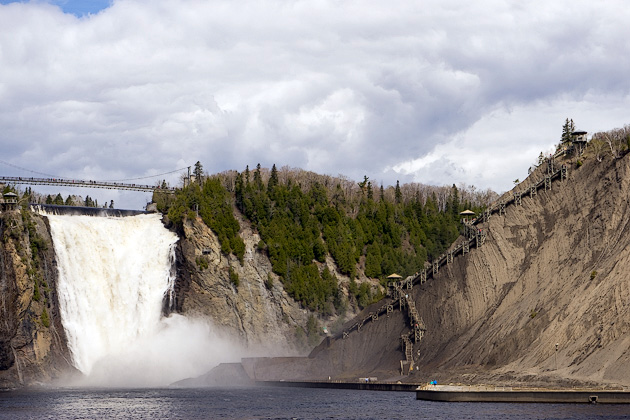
column 114, row 275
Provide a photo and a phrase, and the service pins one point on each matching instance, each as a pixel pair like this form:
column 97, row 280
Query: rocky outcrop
column 32, row 340
column 257, row 309
column 243, row 299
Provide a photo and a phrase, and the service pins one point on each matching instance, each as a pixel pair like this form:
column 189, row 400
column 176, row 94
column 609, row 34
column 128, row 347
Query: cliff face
column 257, row 310
column 553, row 271
column 32, row 340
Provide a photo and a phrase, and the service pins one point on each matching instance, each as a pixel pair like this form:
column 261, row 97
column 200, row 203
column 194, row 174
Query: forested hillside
column 302, row 217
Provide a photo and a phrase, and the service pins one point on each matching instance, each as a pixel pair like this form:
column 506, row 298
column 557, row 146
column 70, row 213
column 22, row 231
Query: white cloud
column 501, row 146
column 439, row 92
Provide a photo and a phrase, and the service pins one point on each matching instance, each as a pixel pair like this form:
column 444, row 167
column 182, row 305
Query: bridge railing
column 84, row 183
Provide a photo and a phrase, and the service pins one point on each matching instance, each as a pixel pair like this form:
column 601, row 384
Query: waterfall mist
column 114, row 274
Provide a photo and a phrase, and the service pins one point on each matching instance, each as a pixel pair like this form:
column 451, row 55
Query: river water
column 272, row 403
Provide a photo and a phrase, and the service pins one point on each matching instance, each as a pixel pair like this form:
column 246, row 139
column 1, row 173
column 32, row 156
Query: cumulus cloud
column 436, row 92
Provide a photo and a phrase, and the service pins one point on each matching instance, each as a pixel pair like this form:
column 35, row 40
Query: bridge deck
column 84, row 184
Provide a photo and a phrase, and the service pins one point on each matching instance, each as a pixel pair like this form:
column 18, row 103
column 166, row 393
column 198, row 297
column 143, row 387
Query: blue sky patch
column 75, row 7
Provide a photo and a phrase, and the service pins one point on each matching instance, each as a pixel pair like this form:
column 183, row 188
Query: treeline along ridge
column 302, row 217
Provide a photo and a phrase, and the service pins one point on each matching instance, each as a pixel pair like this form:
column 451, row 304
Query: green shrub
column 319, row 250
column 593, row 274
column 36, row 294
column 37, row 244
column 44, row 318
column 238, row 248
column 202, row 262
column 234, row 277
column 269, row 282
column 364, row 295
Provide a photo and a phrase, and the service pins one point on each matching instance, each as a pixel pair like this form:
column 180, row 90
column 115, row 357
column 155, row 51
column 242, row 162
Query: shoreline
column 361, row 386
column 456, row 393
column 449, row 393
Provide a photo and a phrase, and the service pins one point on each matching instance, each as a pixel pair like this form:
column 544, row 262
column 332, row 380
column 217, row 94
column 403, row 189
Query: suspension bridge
column 85, row 184
column 123, row 185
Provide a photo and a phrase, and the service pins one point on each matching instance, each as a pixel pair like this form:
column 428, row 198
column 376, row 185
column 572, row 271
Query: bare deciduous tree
column 597, row 146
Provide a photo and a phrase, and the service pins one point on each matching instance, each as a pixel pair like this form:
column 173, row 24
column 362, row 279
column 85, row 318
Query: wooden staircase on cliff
column 399, row 292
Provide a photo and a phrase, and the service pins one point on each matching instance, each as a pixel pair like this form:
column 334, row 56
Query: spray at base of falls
column 114, row 274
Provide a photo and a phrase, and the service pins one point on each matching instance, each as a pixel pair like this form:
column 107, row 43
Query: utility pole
column 556, row 356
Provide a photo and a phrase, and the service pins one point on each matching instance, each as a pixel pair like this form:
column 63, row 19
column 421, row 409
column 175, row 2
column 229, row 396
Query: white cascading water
column 114, row 273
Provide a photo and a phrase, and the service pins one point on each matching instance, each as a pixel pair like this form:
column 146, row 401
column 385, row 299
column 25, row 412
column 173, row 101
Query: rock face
column 545, row 300
column 552, row 271
column 258, row 310
column 32, row 340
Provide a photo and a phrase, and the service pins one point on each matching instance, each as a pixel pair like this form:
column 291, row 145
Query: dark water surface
column 272, row 403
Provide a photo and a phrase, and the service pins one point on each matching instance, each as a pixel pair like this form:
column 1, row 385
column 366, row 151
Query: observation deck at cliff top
column 85, row 184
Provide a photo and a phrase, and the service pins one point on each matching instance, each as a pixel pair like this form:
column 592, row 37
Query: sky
column 436, row 91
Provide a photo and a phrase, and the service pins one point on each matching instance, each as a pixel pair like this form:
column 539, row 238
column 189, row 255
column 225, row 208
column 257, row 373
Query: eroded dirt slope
column 554, row 270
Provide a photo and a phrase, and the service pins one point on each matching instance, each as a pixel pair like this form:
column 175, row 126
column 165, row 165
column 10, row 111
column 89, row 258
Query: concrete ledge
column 521, row 395
column 367, row 386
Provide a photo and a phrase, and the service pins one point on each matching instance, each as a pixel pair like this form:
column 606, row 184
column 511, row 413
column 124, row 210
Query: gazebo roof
column 394, row 276
column 467, row 213
column 579, row 137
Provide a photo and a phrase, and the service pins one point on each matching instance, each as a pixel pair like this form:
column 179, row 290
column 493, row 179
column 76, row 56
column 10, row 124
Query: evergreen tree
column 198, row 172
column 258, row 178
column 273, row 179
column 239, row 191
column 567, row 129
column 373, row 261
column 454, row 203
column 363, row 184
column 301, row 228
